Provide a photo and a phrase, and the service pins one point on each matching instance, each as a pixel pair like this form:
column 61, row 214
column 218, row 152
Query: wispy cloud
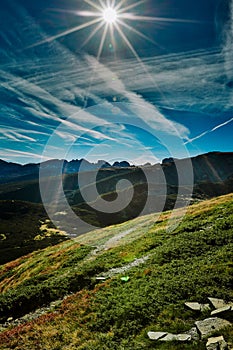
column 18, row 135
column 138, row 104
column 9, row 153
column 189, row 81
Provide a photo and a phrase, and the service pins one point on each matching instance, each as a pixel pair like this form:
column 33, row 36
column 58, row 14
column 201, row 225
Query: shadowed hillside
column 25, row 227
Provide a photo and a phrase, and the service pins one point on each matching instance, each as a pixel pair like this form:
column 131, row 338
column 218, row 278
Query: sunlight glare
column 110, row 15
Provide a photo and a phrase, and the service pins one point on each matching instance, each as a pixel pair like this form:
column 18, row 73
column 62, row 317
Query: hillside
column 110, row 287
column 25, row 227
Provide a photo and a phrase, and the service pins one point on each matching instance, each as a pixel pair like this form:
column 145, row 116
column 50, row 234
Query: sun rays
column 107, row 26
column 111, row 19
column 107, row 17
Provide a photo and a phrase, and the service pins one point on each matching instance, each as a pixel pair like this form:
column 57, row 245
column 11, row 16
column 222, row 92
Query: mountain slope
column 165, row 269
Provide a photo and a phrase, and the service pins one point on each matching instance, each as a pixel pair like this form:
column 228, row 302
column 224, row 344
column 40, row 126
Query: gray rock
column 216, row 343
column 210, row 325
column 177, row 337
column 219, row 303
column 225, row 312
column 156, row 335
column 194, row 333
column 197, row 306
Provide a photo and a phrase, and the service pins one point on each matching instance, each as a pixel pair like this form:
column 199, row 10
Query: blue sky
column 160, row 85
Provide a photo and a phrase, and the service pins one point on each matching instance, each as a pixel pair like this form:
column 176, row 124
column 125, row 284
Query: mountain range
column 213, row 166
column 212, row 176
column 10, row 172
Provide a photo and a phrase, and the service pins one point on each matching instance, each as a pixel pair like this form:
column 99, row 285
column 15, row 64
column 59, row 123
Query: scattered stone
column 225, row 312
column 194, row 333
column 193, row 306
column 216, row 343
column 219, row 303
column 177, row 337
column 197, row 306
column 209, row 325
column 10, row 319
column 156, row 335
column 100, row 278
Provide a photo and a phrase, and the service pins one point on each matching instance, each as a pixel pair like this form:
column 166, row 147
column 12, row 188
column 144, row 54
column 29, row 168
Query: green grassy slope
column 188, row 264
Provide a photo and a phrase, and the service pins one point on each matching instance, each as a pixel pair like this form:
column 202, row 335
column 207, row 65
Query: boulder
column 156, row 335
column 210, row 325
column 216, row 343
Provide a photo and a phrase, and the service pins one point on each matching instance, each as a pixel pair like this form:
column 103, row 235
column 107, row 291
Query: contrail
column 209, row 131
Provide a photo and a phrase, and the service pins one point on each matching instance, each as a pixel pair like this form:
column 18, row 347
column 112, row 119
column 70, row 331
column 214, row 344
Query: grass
column 188, row 264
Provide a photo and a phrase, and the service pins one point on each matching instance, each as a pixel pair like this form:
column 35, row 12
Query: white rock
column 156, row 335
column 197, row 306
column 226, row 310
column 219, row 303
column 177, row 337
column 193, row 306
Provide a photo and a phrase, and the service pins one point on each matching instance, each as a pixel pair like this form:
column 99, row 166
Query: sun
column 110, row 15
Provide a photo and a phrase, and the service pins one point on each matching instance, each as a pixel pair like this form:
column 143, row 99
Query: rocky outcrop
column 203, row 328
